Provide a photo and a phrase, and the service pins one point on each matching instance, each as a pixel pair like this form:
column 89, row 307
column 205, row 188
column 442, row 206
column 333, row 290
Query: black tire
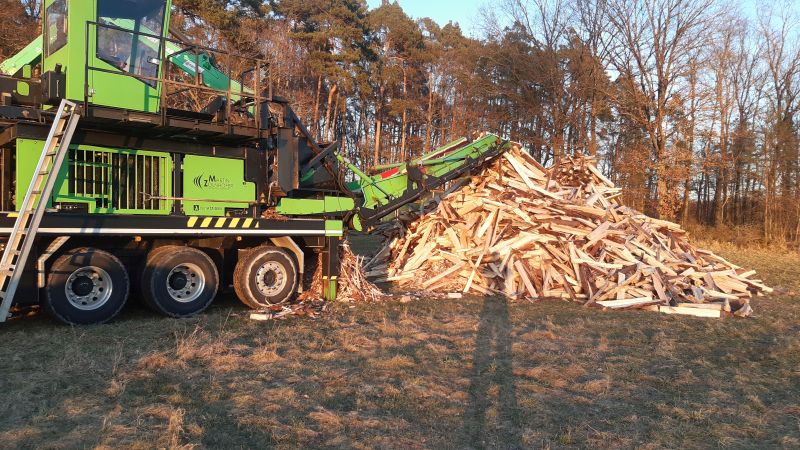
column 265, row 276
column 179, row 281
column 86, row 286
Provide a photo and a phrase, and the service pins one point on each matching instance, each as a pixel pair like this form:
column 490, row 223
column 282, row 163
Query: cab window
column 56, row 26
column 137, row 54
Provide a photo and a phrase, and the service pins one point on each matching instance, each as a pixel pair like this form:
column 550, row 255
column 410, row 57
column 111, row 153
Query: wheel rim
column 88, row 288
column 271, row 278
column 186, row 282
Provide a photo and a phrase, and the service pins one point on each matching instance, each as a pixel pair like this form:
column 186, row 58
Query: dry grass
column 471, row 373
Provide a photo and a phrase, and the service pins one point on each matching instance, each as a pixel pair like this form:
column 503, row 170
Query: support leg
column 330, row 267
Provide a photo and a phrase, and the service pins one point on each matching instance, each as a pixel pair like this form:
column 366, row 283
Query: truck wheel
column 86, row 286
column 179, row 281
column 265, row 276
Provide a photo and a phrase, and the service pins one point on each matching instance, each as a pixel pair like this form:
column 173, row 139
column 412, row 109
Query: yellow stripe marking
column 206, row 222
column 234, row 223
column 247, row 223
column 13, row 215
column 192, row 222
column 220, row 223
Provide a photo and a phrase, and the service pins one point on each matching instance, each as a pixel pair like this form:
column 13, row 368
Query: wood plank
column 658, row 286
column 600, row 175
column 710, row 306
column 523, row 273
column 628, row 303
column 697, row 312
column 472, row 275
column 520, row 169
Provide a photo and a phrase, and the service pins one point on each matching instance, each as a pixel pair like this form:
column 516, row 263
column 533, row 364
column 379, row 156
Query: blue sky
column 467, row 12
column 464, row 12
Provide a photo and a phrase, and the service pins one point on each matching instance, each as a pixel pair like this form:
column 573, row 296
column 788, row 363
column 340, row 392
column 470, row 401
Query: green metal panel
column 210, row 75
column 329, row 288
column 219, row 181
column 301, row 207
column 376, row 190
column 28, row 153
column 71, row 56
column 23, row 88
column 108, row 181
column 108, row 89
column 334, row 228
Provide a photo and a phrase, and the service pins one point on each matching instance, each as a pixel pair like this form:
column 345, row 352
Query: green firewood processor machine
column 133, row 160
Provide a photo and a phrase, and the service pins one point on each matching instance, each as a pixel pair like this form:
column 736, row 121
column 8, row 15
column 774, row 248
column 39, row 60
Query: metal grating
column 88, row 175
column 123, row 181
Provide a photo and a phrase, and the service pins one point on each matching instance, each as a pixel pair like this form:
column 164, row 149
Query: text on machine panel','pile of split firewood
column 527, row 232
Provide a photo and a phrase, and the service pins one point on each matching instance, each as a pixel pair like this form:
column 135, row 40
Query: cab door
column 125, row 53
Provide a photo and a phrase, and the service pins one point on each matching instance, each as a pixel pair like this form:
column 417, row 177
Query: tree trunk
column 378, row 127
column 443, row 110
column 405, row 116
column 330, row 109
column 315, row 117
column 331, row 134
column 429, row 126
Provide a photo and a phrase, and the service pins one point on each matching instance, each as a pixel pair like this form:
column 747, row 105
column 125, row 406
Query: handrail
column 234, row 92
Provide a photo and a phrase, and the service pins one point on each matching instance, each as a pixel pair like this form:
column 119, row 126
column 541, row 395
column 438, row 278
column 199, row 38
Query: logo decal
column 212, row 182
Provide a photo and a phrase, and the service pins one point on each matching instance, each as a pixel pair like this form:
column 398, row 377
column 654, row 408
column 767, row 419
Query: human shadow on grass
column 492, row 366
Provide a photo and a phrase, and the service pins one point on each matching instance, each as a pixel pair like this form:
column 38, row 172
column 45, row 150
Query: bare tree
column 747, row 80
column 594, row 32
column 653, row 41
column 721, row 63
column 781, row 52
column 545, row 24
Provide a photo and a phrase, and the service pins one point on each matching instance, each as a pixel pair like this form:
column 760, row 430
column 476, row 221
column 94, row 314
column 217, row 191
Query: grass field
column 471, row 373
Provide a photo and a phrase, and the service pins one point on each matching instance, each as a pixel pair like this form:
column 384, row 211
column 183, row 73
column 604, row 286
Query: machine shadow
column 492, row 382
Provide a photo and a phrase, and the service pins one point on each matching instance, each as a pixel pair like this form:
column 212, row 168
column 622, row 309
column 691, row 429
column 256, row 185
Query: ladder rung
column 54, row 153
column 44, row 172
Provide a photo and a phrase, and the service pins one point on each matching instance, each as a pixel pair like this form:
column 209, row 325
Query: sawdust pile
column 353, row 287
column 527, row 232
column 353, row 283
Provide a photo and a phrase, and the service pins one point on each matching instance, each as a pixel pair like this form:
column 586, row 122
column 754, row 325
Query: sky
column 465, row 12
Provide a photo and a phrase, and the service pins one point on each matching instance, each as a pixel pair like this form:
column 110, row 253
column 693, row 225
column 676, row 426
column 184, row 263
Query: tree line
column 689, row 105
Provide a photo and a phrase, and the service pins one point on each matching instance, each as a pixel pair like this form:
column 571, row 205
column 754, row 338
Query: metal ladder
column 20, row 243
